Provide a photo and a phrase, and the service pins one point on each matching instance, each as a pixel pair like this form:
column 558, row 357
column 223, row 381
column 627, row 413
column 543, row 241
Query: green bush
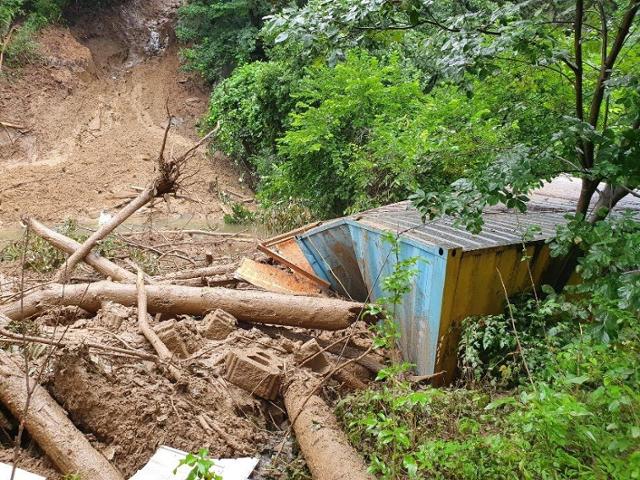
column 221, row 34
column 582, row 423
column 252, row 107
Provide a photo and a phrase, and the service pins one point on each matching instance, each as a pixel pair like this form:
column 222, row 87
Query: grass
column 42, row 257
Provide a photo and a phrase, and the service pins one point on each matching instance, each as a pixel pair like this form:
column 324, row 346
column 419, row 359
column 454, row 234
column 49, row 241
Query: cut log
column 324, row 445
column 143, row 325
column 68, row 245
column 211, row 271
column 247, row 305
column 48, row 425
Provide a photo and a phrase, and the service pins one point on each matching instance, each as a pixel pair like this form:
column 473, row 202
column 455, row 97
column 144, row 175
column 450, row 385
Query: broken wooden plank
column 274, row 279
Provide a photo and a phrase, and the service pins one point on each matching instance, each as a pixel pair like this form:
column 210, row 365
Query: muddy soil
column 94, row 110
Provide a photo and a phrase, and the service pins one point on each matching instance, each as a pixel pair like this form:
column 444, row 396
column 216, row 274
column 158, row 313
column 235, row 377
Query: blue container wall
column 332, row 249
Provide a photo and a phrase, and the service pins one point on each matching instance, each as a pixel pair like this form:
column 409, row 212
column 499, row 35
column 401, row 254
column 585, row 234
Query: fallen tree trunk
column 165, row 182
column 83, row 250
column 143, row 325
column 324, row 445
column 197, row 272
column 247, row 305
column 49, row 426
column 68, row 245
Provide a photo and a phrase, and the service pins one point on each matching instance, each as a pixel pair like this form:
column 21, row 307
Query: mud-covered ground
column 93, row 108
column 127, row 407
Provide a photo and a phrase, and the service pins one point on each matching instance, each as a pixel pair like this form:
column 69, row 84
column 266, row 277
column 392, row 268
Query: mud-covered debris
column 255, row 370
column 132, row 411
column 310, row 355
column 112, row 315
column 218, row 324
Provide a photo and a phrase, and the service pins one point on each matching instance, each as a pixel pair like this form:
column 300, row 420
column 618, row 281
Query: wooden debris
column 165, row 182
column 68, row 245
column 274, row 279
column 49, row 426
column 247, row 305
column 197, row 273
column 143, row 324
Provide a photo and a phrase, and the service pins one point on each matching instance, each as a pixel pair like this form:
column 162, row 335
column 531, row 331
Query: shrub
column 222, row 34
column 252, row 106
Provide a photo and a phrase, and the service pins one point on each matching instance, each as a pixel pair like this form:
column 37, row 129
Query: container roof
column 502, row 226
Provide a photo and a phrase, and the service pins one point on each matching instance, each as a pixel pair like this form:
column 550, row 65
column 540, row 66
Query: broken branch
column 166, row 182
column 143, row 325
column 68, row 245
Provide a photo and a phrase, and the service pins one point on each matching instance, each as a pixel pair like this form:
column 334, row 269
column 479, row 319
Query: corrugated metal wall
column 473, row 287
column 356, row 258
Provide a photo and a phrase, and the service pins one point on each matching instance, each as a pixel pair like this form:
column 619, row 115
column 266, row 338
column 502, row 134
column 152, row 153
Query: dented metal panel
column 355, row 259
column 329, row 250
column 458, row 274
column 418, row 314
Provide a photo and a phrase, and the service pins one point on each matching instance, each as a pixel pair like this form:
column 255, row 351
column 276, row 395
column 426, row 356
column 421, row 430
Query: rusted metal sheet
column 457, row 272
column 284, row 250
column 274, row 279
column 289, row 249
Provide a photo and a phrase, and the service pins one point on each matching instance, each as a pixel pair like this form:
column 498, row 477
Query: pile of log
column 196, row 292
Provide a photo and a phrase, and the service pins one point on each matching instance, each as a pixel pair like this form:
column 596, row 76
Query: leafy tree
column 590, row 45
column 252, row 107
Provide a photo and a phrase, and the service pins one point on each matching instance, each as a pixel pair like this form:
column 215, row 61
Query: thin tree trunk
column 68, row 245
column 67, row 268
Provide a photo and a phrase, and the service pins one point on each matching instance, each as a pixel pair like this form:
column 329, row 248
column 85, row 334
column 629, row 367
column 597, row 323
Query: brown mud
column 93, row 110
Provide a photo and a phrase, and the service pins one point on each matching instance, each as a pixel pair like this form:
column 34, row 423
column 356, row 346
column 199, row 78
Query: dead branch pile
column 99, row 372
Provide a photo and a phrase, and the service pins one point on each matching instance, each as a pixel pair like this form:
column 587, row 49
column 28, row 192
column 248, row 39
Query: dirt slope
column 94, row 114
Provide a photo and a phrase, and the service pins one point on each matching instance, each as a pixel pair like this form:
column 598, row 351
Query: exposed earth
column 93, row 112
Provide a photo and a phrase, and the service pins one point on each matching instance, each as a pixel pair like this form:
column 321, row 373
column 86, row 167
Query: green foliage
column 338, row 112
column 364, row 133
column 283, row 216
column 239, row 215
column 489, row 351
column 252, row 107
column 201, row 466
column 221, row 34
column 9, row 10
column 578, row 420
column 609, row 291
